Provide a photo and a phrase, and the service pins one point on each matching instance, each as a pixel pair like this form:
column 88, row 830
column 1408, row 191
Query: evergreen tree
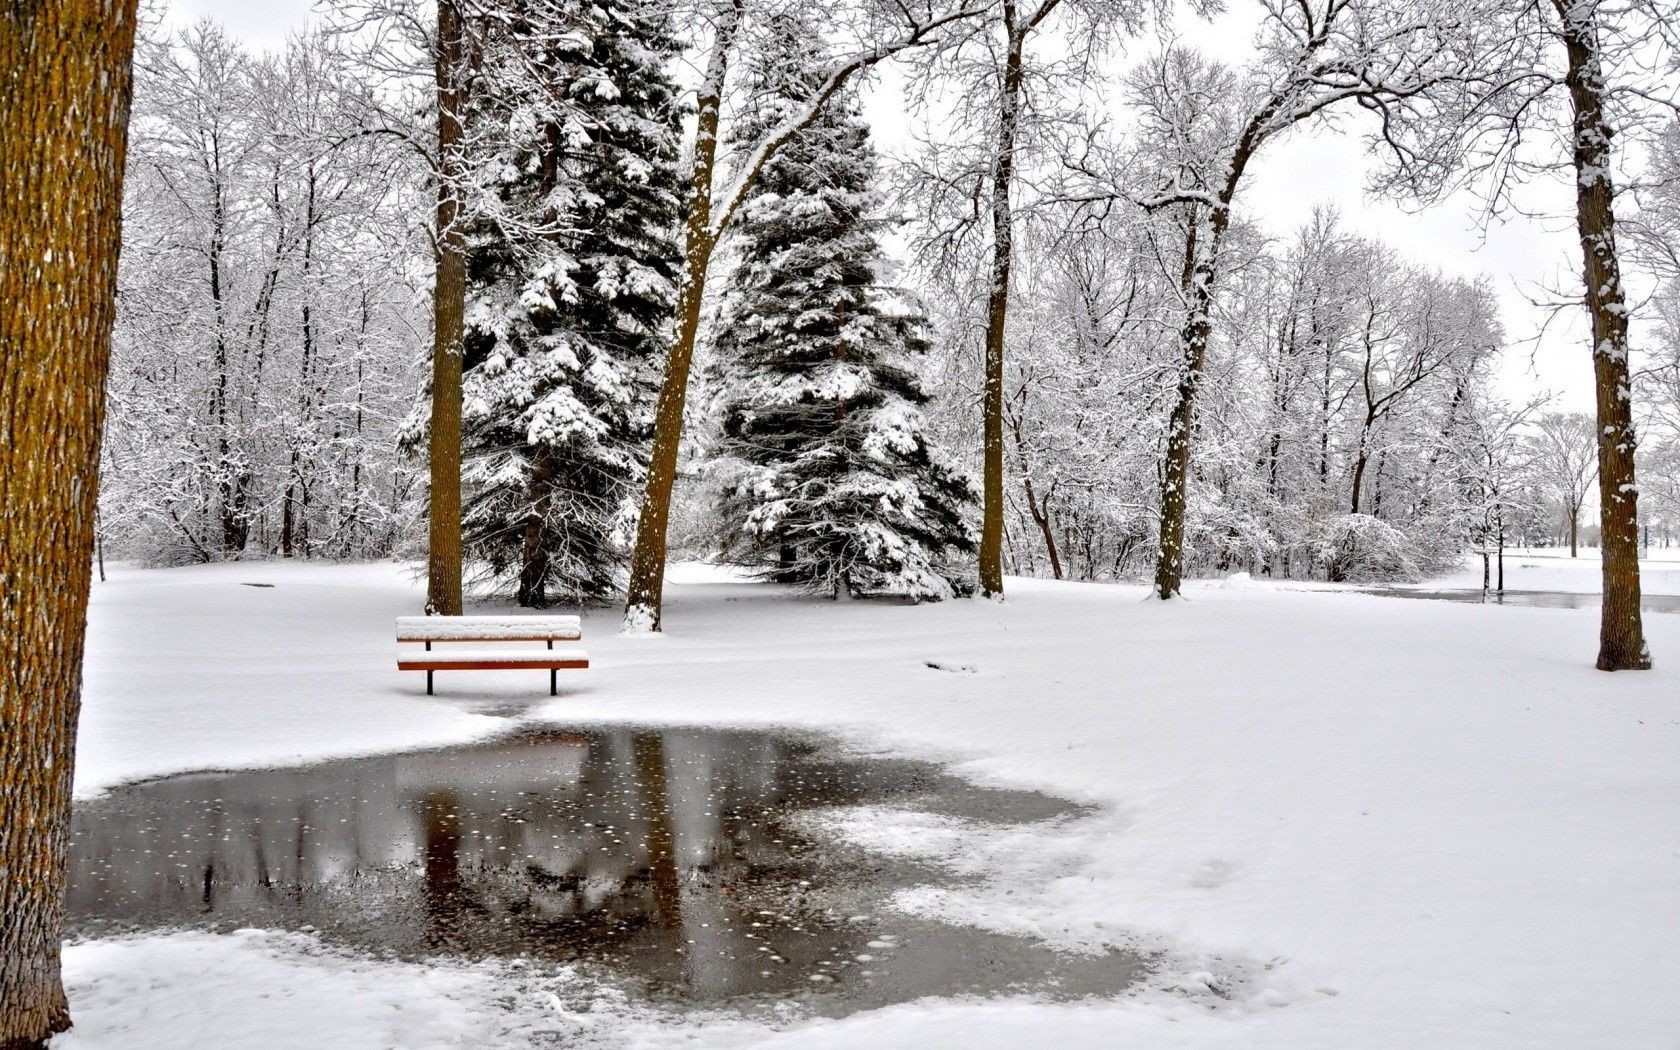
column 571, row 277
column 830, row 481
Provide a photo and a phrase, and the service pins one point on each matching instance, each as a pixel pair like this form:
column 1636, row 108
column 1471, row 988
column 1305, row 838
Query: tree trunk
column 1621, row 637
column 534, row 553
column 1501, row 560
column 64, row 127
column 997, row 310
column 1175, row 478
column 1041, row 517
column 443, row 577
column 1574, row 531
column 1359, row 464
column 643, row 605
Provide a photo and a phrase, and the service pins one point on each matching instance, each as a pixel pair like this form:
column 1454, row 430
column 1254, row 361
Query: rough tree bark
column 1621, row 637
column 65, row 67
column 443, row 569
column 997, row 303
column 642, row 606
column 1193, row 341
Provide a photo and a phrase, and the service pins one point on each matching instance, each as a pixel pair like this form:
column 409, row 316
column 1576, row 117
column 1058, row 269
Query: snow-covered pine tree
column 571, row 277
column 829, row 477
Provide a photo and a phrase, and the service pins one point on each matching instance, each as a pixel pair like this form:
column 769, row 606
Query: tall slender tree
column 1203, row 126
column 63, row 135
column 1582, row 69
column 452, row 62
column 970, row 179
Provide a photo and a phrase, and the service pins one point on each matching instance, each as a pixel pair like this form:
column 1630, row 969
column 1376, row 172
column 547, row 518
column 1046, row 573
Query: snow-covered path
column 1377, row 822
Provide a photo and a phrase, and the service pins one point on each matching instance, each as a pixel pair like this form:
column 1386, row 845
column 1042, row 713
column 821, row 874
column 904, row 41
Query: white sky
column 1525, row 257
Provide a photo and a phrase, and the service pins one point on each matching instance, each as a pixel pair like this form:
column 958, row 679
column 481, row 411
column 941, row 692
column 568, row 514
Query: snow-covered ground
column 1371, row 822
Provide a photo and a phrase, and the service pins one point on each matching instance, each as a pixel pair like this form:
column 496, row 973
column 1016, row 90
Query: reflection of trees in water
column 607, row 844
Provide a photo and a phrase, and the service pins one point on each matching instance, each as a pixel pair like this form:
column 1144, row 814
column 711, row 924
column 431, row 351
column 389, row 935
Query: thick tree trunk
column 997, row 309
column 1201, row 268
column 1175, row 475
column 63, row 135
column 643, row 605
column 443, row 576
column 1621, row 639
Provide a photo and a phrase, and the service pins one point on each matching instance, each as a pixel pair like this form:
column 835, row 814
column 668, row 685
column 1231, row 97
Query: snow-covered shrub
column 1361, row 548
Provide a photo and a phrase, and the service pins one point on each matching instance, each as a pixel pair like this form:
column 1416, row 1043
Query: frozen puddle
column 1651, row 603
column 663, row 860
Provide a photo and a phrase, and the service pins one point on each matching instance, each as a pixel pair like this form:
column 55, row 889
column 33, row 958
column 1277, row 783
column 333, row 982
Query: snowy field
column 1350, row 821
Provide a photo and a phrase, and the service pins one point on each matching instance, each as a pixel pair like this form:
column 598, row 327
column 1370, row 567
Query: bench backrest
column 488, row 628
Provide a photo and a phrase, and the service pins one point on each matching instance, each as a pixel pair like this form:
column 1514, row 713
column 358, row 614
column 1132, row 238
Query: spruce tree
column 829, row 478
column 571, row 276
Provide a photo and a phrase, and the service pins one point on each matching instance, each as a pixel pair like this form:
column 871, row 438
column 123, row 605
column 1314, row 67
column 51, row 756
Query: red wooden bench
column 433, row 630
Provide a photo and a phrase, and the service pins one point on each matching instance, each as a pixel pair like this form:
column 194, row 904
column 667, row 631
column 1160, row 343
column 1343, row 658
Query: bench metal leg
column 428, row 683
column 553, row 682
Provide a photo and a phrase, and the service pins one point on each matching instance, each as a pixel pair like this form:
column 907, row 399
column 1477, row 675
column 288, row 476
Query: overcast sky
column 1525, row 257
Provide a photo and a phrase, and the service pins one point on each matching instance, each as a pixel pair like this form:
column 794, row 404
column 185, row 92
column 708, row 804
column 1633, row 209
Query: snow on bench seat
column 489, row 628
column 491, row 659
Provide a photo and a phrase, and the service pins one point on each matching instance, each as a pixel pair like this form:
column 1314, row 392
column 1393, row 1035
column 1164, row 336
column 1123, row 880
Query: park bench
column 432, row 630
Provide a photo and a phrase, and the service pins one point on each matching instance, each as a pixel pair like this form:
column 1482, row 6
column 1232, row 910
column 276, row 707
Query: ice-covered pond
column 671, row 861
column 1657, row 603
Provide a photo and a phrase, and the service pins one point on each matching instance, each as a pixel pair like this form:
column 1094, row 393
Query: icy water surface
column 1659, row 603
column 663, row 859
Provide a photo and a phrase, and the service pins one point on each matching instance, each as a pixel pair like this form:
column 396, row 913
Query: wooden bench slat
column 479, row 660
column 574, row 636
column 488, row 628
column 436, row 630
column 577, row 663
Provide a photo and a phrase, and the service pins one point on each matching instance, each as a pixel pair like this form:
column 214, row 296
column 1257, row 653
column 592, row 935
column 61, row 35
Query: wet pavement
column 666, row 860
column 1656, row 603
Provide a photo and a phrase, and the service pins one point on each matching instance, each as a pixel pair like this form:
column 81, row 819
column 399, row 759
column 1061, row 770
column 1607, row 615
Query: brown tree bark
column 643, row 605
column 997, row 305
column 1175, row 475
column 1200, row 272
column 443, row 569
column 63, row 136
column 1621, row 638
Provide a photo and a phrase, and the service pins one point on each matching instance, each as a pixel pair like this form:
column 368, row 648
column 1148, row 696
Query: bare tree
column 1599, row 69
column 965, row 185
column 66, row 67
column 1204, row 125
column 1565, row 455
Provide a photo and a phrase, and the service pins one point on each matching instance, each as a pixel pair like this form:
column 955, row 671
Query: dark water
column 1658, row 603
column 663, row 859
